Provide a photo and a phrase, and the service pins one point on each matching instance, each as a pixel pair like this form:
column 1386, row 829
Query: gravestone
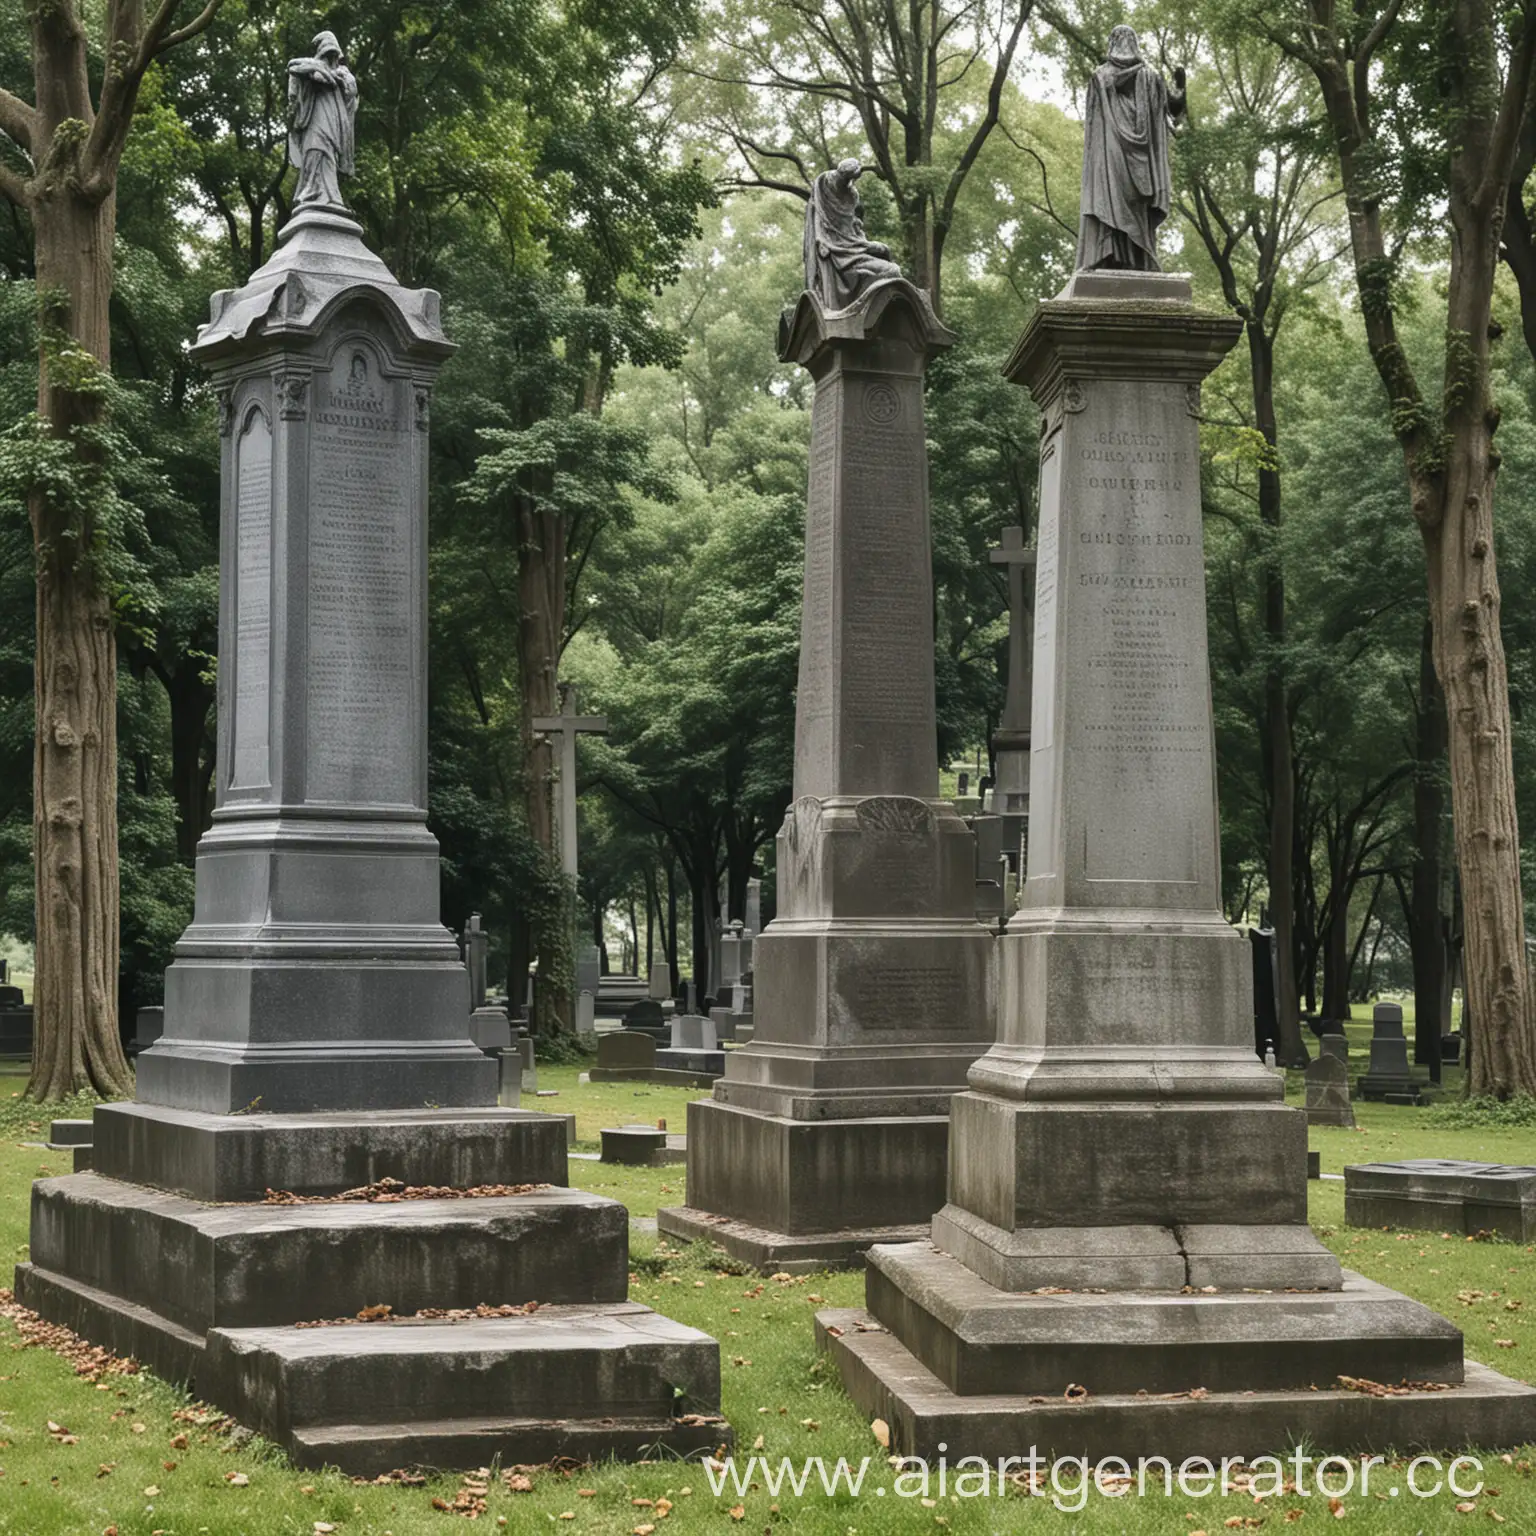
column 1266, row 1005
column 648, row 1017
column 589, row 969
column 660, row 989
column 489, row 1026
column 586, row 1015
column 634, row 1145
column 624, row 1055
column 1432, row 1194
column 15, row 1028
column 693, row 1048
column 1337, row 1046
column 1327, row 1081
column 1010, row 741
column 874, row 986
column 1389, row 1076
column 1127, row 1198
column 316, row 1014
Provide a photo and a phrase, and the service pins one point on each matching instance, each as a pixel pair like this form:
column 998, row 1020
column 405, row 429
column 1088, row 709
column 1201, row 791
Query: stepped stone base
column 240, row 1157
column 780, row 1252
column 887, row 1381
column 210, row 1294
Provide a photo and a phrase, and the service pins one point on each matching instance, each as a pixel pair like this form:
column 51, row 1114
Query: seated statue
column 841, row 262
column 1127, row 190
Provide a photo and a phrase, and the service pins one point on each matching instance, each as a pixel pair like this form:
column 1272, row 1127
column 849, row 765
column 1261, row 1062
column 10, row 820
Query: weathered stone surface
column 698, row 1063
column 241, row 1266
column 316, row 973
column 1443, row 1195
column 640, row 1145
column 772, row 1252
column 561, row 1365
column 1328, row 1092
column 978, row 1339
column 874, row 987
column 241, row 1157
column 1389, row 1076
column 886, row 1381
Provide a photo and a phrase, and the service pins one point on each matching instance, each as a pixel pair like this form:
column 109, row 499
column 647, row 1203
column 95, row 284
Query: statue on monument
column 322, row 108
column 1126, row 186
column 841, row 261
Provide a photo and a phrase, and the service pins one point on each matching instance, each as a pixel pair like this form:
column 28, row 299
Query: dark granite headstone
column 625, row 1049
column 1389, row 1076
column 1266, row 1013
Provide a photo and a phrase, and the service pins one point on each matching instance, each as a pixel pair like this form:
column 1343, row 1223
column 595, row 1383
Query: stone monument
column 489, row 1026
column 874, row 984
column 1124, row 1266
column 564, row 729
column 316, row 1033
column 1327, row 1081
column 1389, row 1076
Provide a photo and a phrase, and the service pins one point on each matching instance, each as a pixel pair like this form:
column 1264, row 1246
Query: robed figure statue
column 841, row 262
column 1126, row 187
column 322, row 107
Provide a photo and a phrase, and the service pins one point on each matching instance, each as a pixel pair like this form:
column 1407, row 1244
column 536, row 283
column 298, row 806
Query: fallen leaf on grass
column 152, row 1492
column 517, row 1482
column 644, row 1530
column 178, row 1442
column 882, row 1433
column 1466, row 1508
column 737, row 1512
column 236, row 1479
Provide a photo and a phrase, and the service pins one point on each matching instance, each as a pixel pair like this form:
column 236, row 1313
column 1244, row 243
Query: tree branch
column 18, row 121
column 12, row 188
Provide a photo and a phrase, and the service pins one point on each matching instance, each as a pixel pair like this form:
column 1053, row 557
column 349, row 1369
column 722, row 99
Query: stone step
column 978, row 1339
column 886, row 1381
column 236, row 1266
column 366, row 1450
column 621, row 1362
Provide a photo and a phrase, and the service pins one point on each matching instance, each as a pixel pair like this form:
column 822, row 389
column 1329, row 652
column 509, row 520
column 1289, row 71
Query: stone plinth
column 873, row 988
column 1127, row 1206
column 1431, row 1194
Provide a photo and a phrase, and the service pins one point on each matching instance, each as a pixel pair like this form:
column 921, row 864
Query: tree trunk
column 76, row 1042
column 1277, row 714
column 541, row 617
column 1336, row 950
column 669, row 932
column 1469, row 658
column 1426, row 925
column 191, row 760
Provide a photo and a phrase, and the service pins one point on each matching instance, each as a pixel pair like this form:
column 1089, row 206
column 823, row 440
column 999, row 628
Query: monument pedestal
column 1127, row 1189
column 317, row 1025
column 874, row 986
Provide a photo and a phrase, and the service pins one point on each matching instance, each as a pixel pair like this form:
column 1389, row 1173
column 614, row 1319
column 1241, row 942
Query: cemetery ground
column 83, row 1454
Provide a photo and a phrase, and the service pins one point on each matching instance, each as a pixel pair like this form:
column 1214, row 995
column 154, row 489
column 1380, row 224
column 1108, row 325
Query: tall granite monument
column 1124, row 1265
column 1010, row 741
column 317, row 1024
column 874, row 986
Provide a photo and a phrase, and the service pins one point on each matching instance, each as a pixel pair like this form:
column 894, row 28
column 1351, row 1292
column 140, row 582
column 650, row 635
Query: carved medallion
column 882, row 404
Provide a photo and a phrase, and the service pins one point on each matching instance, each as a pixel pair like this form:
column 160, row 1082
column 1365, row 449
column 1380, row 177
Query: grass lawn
column 123, row 1460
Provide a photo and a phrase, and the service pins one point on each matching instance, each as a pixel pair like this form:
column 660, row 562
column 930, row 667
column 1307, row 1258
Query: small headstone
column 10, row 997
column 963, row 785
column 1442, row 1194
column 1266, row 1013
column 1314, row 1165
column 626, row 1049
column 1336, row 1045
column 1389, row 1078
column 509, row 1063
column 649, row 1017
column 71, row 1133
column 589, row 969
column 1328, row 1092
column 586, row 1014
column 477, row 944
column 661, row 982
column 752, row 918
column 692, row 1032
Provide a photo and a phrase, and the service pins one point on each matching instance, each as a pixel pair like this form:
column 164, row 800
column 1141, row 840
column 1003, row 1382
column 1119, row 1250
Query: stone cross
column 1010, row 742
column 565, row 728
column 477, row 943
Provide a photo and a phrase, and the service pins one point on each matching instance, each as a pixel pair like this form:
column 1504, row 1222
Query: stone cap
column 804, row 330
column 1120, row 325
column 320, row 263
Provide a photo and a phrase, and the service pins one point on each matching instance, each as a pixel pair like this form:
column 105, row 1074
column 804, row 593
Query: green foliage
column 1484, row 1114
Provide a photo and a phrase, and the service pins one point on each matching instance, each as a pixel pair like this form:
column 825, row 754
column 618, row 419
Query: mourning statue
column 841, row 262
column 1126, row 186
column 322, row 107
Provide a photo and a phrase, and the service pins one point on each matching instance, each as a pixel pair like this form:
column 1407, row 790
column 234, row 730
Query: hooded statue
column 840, row 260
column 1126, row 187
column 322, row 107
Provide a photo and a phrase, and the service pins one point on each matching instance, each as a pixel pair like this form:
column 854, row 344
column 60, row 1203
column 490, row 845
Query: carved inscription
column 887, row 640
column 816, row 653
column 903, row 996
column 253, row 605
column 1141, row 680
column 362, row 598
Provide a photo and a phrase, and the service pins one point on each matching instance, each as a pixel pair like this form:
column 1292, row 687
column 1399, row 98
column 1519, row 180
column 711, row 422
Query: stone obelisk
column 874, row 984
column 1124, row 1266
column 317, row 1015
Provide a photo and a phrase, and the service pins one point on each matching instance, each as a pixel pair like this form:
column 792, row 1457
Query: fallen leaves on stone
column 382, row 1312
column 388, row 1191
column 1370, row 1388
column 90, row 1361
